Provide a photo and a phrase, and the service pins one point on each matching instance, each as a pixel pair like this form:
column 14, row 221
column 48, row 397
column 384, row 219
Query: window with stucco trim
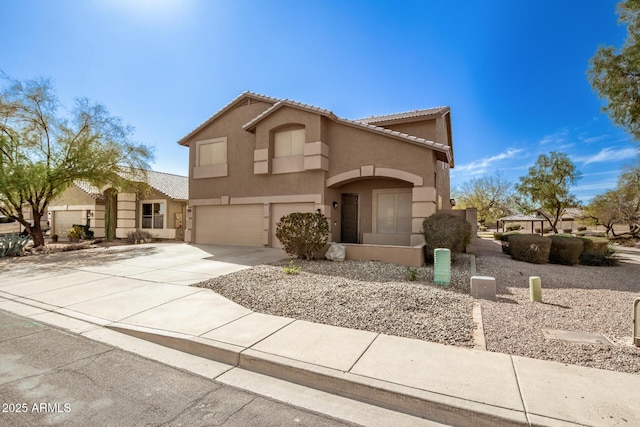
column 211, row 158
column 288, row 143
column 211, row 152
column 153, row 215
column 392, row 211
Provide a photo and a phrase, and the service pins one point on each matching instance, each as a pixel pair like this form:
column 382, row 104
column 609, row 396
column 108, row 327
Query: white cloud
column 479, row 167
column 609, row 154
column 555, row 138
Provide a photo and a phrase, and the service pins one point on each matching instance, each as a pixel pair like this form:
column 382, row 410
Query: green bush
column 599, row 260
column 567, row 230
column 303, row 234
column 591, row 233
column 513, row 227
column 547, row 230
column 497, row 236
column 443, row 230
column 530, row 248
column 597, row 245
column 565, row 250
column 582, row 228
column 504, row 239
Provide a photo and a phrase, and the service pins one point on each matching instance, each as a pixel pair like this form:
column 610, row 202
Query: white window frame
column 374, row 209
column 151, row 202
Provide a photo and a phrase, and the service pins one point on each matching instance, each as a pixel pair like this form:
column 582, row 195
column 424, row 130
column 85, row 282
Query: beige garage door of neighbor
column 64, row 220
column 241, row 225
column 278, row 210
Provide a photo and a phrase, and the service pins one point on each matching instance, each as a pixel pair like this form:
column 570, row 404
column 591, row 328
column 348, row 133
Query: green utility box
column 442, row 266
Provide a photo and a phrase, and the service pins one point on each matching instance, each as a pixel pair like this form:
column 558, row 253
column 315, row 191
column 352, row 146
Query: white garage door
column 241, row 225
column 64, row 220
column 278, row 210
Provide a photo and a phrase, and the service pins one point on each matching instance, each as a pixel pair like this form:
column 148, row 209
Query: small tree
column 42, row 152
column 490, row 195
column 303, row 234
column 546, row 188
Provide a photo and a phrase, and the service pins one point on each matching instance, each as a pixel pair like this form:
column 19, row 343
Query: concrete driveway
column 106, row 285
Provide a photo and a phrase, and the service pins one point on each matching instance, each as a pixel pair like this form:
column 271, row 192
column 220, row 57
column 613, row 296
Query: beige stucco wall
column 241, row 181
column 347, row 149
column 424, row 129
column 364, row 188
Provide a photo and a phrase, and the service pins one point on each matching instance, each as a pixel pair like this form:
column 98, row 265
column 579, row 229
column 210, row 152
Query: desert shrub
column 13, row 244
column 292, row 268
column 537, row 230
column 513, row 227
column 504, row 240
column 598, row 245
column 547, row 230
column 303, row 234
column 74, row 234
column 582, row 228
column 599, row 260
column 530, row 248
column 565, row 249
column 567, row 230
column 443, row 230
column 591, row 233
column 139, row 236
column 411, row 274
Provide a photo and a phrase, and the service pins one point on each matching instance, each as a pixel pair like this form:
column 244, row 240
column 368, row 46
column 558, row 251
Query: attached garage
column 278, row 210
column 241, row 225
column 64, row 220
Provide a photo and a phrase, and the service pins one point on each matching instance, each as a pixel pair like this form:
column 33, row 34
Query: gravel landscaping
column 575, row 298
column 378, row 297
column 367, row 295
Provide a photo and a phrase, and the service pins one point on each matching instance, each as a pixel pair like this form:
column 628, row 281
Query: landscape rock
column 336, row 252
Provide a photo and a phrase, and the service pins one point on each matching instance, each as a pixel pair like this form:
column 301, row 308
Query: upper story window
column 211, row 152
column 211, row 158
column 289, row 142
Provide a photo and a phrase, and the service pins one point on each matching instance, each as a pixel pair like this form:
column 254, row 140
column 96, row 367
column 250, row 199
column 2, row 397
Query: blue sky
column 513, row 72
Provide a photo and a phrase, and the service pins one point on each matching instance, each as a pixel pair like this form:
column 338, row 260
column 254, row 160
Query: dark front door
column 349, row 218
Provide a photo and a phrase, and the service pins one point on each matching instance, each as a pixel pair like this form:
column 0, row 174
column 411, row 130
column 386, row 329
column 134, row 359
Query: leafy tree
column 492, row 196
column 604, row 210
column 43, row 151
column 545, row 189
column 614, row 74
column 619, row 206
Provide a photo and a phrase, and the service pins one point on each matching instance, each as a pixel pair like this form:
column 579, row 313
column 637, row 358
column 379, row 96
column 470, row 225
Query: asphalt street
column 50, row 377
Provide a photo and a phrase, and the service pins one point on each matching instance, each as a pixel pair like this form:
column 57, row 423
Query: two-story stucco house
column 260, row 158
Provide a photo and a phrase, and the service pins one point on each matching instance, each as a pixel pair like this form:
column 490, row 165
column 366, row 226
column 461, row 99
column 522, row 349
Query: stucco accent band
column 398, row 174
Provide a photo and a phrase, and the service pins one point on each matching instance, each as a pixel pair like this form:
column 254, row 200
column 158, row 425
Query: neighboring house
column 260, row 158
column 160, row 209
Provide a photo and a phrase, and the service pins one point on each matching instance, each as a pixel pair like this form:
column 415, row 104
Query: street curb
column 437, row 407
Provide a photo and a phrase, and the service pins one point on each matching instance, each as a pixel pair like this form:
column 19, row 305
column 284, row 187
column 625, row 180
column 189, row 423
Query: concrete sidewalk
column 141, row 292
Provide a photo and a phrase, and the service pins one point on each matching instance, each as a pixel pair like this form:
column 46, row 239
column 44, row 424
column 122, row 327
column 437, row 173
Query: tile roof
column 93, row 191
column 405, row 115
column 173, row 186
column 355, row 123
column 235, row 101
